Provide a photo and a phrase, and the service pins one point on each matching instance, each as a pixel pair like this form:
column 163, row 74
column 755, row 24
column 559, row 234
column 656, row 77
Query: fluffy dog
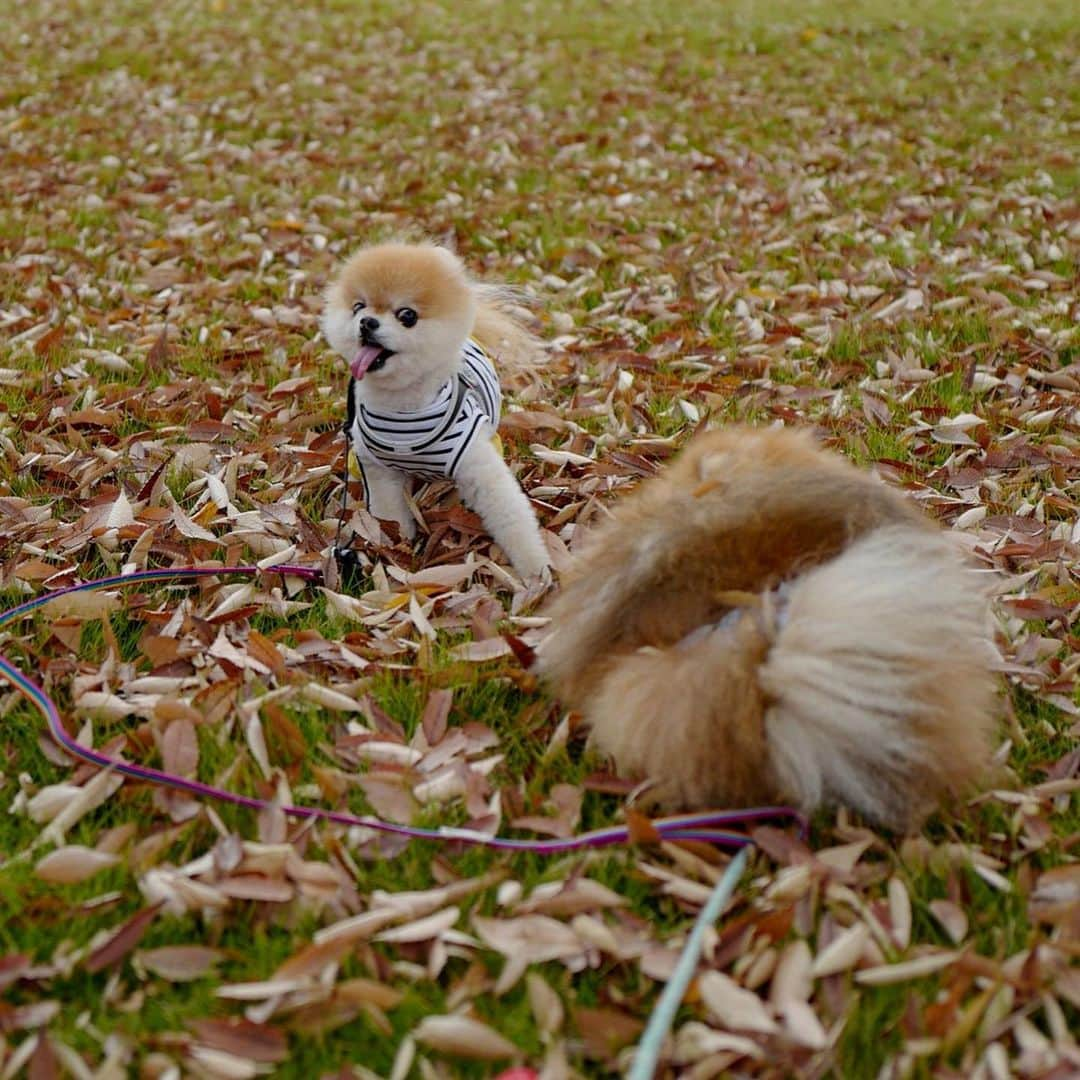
column 763, row 621
column 424, row 398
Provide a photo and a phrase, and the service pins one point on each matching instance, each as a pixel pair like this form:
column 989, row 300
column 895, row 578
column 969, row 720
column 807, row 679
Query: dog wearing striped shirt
column 424, row 399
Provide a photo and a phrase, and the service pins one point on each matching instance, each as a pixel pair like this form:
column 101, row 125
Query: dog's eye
column 358, row 307
column 406, row 316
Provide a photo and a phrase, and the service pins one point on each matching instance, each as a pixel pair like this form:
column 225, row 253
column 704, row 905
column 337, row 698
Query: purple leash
column 709, row 826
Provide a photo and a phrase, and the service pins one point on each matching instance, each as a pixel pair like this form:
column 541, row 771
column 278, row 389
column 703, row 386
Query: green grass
column 768, row 147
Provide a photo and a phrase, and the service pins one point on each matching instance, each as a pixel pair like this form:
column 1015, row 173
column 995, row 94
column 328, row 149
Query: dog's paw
column 534, row 570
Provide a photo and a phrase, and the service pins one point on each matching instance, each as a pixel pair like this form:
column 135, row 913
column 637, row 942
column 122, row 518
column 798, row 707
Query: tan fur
column 433, row 281
column 422, row 276
column 862, row 679
column 502, row 329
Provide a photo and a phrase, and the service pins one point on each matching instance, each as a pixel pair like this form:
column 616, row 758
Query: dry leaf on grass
column 167, row 400
column 120, row 941
column 72, row 864
column 463, row 1037
column 180, row 963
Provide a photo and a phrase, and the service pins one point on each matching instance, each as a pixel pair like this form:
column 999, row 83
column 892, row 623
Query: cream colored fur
column 763, row 622
column 880, row 694
column 451, row 308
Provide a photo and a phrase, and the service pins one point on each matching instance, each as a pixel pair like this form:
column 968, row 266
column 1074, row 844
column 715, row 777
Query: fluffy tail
column 878, row 678
column 863, row 682
column 503, row 328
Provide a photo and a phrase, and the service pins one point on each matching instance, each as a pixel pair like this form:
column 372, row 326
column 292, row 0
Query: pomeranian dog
column 765, row 622
column 424, row 399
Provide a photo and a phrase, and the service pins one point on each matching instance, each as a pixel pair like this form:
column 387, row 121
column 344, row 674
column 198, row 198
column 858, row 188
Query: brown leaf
column 952, row 919
column 641, row 829
column 463, row 1037
column 389, row 797
column 34, row 570
column 49, row 342
column 266, row 652
column 35, row 1014
column 570, row 898
column 122, row 940
column 43, row 1063
column 12, row 968
column 436, row 712
column 311, row 960
column 292, row 387
column 242, row 1038
column 325, row 1016
column 526, row 654
column 72, row 864
column 180, row 963
column 780, row 845
column 529, row 939
column 566, row 801
column 289, row 739
column 168, row 710
column 368, row 992
column 605, row 1031
column 157, row 358
column 1056, row 897
column 256, row 887
column 180, row 748
column 735, row 1008
column 608, row 784
column 216, row 700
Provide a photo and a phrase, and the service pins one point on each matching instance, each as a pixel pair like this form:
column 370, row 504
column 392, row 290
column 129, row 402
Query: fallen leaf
column 463, row 1037
column 887, row 974
column 605, row 1031
column 242, row 1038
column 842, row 953
column 952, row 919
column 180, row 963
column 733, row 1007
column 72, row 864
column 121, row 941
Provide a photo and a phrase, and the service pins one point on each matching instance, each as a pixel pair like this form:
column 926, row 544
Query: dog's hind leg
column 490, row 488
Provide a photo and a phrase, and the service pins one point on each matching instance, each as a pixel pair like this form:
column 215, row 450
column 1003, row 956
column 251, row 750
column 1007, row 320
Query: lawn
column 857, row 216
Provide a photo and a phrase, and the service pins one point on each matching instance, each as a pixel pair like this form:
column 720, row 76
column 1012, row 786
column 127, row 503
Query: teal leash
column 652, row 1039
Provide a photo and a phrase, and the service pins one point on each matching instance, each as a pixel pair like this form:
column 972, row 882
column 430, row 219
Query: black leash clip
column 349, row 567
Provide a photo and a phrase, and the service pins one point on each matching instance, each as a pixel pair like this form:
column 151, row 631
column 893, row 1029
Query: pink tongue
column 366, row 356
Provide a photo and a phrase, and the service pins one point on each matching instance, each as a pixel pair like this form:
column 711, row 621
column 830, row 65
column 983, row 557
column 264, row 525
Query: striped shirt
column 431, row 442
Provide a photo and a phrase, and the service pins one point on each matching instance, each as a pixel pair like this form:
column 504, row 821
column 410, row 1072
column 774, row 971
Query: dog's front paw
column 543, row 577
column 533, row 566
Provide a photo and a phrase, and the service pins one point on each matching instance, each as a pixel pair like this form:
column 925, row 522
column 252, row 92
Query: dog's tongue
column 365, row 357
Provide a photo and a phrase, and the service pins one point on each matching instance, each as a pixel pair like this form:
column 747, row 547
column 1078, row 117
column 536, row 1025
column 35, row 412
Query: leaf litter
column 710, row 243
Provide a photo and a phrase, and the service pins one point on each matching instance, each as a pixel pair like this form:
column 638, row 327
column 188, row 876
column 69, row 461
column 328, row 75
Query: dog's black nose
column 369, row 324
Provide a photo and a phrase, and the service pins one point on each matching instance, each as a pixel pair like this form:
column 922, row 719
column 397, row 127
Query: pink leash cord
column 708, row 826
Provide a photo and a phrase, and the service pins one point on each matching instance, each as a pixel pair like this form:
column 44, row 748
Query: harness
column 428, row 443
